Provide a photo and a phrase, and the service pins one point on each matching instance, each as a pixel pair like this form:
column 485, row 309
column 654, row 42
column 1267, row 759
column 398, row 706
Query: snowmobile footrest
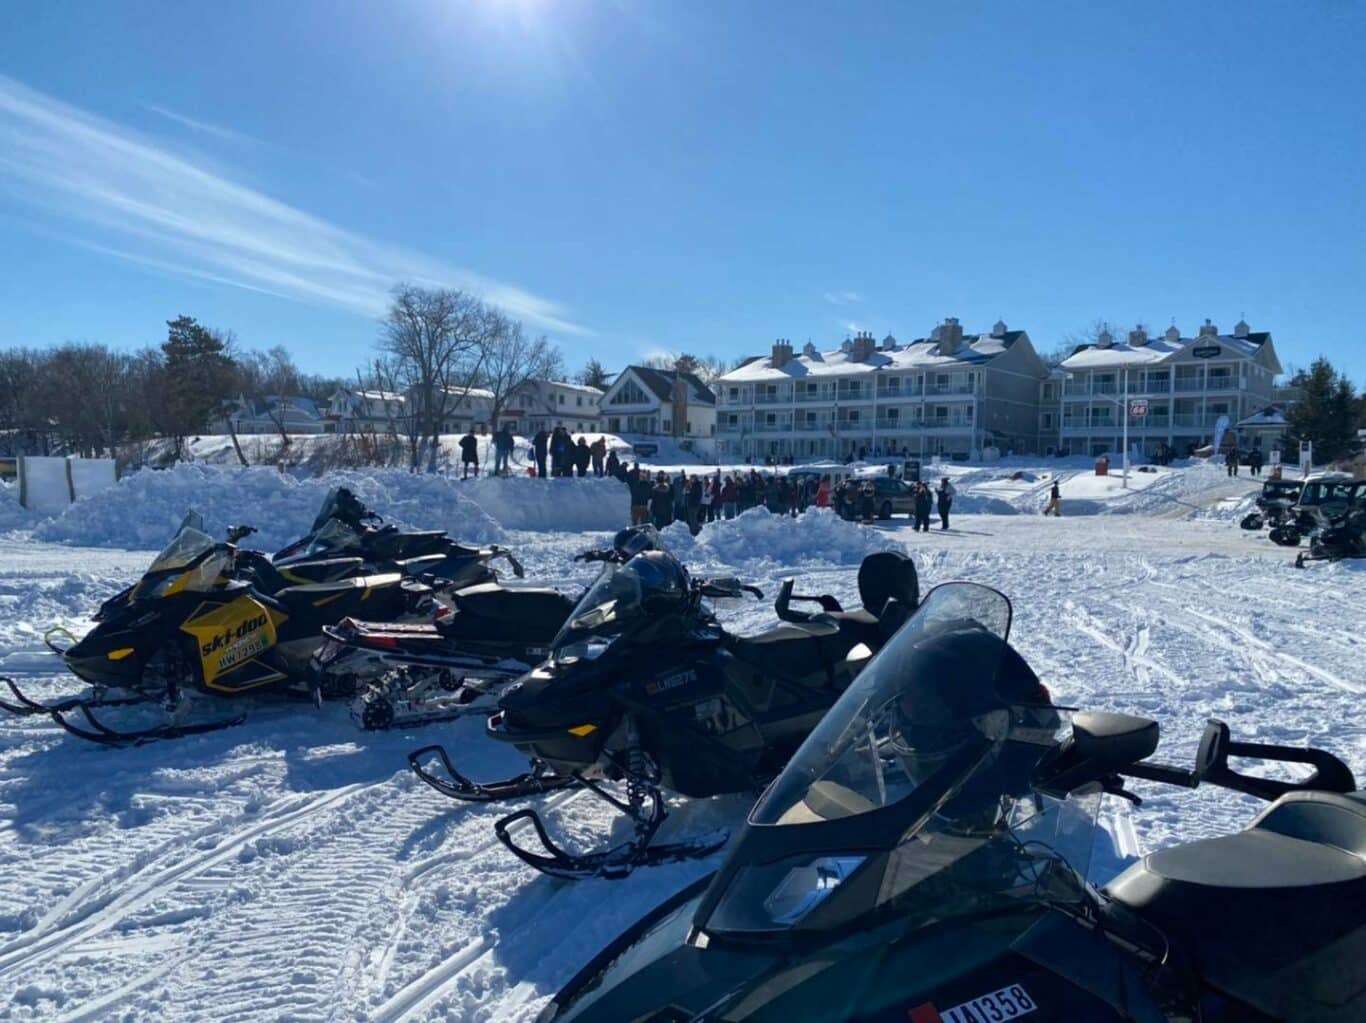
column 457, row 786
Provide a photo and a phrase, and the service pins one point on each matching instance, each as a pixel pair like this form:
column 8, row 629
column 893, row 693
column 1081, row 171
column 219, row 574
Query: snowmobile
column 923, row 858
column 481, row 638
column 1324, row 496
column 1274, row 505
column 1343, row 537
column 644, row 688
column 191, row 626
column 344, row 527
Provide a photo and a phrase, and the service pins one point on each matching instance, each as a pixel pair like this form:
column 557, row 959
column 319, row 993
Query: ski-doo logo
column 233, row 634
column 663, row 685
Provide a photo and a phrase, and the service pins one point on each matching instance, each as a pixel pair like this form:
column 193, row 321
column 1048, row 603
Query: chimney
column 999, row 329
column 1241, row 329
column 1172, row 335
column 950, row 336
column 1208, row 329
column 1105, row 339
column 680, row 403
column 863, row 347
column 782, row 353
column 1138, row 337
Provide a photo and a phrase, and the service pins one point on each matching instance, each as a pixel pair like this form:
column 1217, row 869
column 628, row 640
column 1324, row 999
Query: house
column 271, row 414
column 1189, row 388
column 545, row 404
column 659, row 402
column 464, row 408
column 366, row 411
column 945, row 394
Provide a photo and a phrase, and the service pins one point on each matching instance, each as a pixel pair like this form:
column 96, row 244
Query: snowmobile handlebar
column 237, row 533
column 1330, row 774
column 829, row 605
column 723, row 588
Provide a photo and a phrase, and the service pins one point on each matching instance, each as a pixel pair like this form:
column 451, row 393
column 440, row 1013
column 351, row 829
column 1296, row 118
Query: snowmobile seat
column 1274, row 916
column 795, row 651
column 526, row 611
column 311, row 595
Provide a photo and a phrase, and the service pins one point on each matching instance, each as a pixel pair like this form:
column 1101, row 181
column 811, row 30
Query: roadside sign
column 1138, row 408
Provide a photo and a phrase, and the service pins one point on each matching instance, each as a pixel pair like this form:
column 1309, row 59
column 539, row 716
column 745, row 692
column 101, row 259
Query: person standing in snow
column 1231, row 461
column 598, row 449
column 561, row 455
column 730, row 497
column 540, row 444
column 924, row 504
column 469, row 455
column 582, row 456
column 640, row 486
column 823, row 493
column 1054, row 502
column 945, row 497
column 614, row 466
column 662, row 502
column 502, row 451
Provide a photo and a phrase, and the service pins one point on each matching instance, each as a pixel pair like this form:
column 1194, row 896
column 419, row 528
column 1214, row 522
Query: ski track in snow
column 293, row 869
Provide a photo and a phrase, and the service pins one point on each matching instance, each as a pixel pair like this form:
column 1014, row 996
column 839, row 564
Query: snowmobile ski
column 100, row 733
column 456, row 786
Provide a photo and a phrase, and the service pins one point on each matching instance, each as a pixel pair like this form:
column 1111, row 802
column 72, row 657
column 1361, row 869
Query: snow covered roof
column 1157, row 350
column 923, row 353
column 1272, row 415
column 661, row 382
column 584, row 388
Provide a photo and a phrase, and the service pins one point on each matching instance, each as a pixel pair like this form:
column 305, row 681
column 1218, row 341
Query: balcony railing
column 936, row 389
column 778, row 426
column 906, row 390
column 772, row 399
column 812, row 425
column 854, row 395
column 1221, row 383
column 821, row 395
column 899, row 423
column 1190, row 383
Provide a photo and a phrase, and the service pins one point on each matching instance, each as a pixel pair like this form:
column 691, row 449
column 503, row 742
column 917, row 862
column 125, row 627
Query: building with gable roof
column 946, row 394
column 659, row 402
column 1189, row 385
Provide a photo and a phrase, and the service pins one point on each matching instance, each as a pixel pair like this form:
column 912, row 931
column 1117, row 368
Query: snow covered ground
column 293, row 869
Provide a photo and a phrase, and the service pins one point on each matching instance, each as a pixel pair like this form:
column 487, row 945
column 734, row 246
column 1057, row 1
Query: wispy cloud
column 204, row 127
column 843, row 297
column 173, row 215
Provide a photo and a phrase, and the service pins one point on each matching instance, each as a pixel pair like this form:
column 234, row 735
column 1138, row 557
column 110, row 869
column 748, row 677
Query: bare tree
column 705, row 367
column 513, row 360
column 437, row 339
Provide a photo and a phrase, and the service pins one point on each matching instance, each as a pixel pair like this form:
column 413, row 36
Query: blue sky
column 703, row 176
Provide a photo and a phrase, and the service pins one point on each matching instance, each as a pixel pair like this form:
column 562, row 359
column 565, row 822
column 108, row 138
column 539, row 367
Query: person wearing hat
column 945, row 498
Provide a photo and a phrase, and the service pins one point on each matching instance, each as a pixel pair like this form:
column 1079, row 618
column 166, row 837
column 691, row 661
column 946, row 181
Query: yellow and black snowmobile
column 193, row 625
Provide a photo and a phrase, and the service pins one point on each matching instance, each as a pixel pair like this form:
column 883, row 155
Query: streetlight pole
column 1124, row 411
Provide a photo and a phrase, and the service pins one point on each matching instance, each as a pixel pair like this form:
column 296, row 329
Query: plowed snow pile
column 12, row 514
column 817, row 538
column 143, row 510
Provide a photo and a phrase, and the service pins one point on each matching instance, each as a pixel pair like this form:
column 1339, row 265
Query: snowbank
column 144, row 509
column 13, row 515
column 818, row 538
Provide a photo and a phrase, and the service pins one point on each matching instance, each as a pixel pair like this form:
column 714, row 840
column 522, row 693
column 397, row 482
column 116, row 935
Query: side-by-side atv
column 923, row 857
column 481, row 639
column 1324, row 497
column 1275, row 504
column 644, row 692
column 192, row 626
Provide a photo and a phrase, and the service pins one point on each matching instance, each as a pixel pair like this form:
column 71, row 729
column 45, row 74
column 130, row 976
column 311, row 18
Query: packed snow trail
column 292, row 868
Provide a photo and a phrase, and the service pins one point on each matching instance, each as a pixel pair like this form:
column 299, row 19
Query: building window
column 1048, row 420
column 578, row 399
column 629, row 394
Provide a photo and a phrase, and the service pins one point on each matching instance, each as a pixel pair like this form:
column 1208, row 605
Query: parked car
column 894, row 496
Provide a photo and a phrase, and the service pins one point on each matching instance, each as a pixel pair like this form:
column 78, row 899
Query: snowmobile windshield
column 188, row 545
column 334, row 537
column 915, row 793
column 326, row 512
column 622, row 596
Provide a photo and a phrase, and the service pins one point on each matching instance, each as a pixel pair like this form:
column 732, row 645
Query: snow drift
column 816, row 538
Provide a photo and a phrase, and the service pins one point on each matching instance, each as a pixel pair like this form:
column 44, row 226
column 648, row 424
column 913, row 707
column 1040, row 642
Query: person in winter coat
column 868, row 502
column 502, row 450
column 539, row 445
column 598, row 449
column 823, row 493
column 924, row 504
column 707, row 512
column 694, row 504
column 730, row 498
column 561, row 452
column 469, row 455
column 641, row 490
column 614, row 467
column 1231, row 461
column 945, row 498
column 662, row 503
column 1054, row 501
column 1254, row 461
column 583, row 455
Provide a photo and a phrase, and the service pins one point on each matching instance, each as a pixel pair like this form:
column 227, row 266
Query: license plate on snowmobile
column 1007, row 1003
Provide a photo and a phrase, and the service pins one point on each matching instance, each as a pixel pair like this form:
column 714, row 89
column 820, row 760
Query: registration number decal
column 1008, row 1003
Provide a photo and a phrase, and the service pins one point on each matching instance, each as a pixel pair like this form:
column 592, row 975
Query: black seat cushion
column 1274, row 916
column 538, row 612
column 795, row 651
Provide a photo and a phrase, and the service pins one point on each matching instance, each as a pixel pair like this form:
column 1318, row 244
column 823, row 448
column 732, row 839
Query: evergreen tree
column 197, row 376
column 594, row 374
column 1326, row 413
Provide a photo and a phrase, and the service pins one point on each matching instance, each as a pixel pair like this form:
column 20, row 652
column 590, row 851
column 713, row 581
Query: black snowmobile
column 1344, row 536
column 481, row 638
column 345, row 528
column 645, row 688
column 1275, row 505
column 192, row 626
column 923, row 856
